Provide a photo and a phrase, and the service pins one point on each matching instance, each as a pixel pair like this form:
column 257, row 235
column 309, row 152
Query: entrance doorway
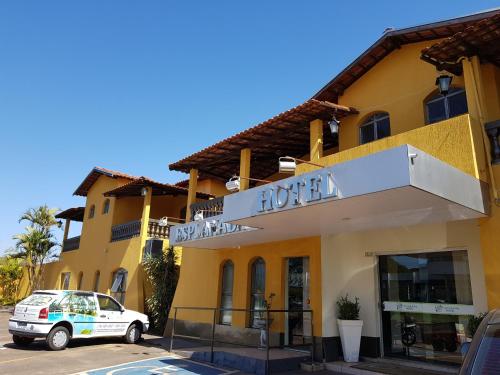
column 297, row 324
column 426, row 303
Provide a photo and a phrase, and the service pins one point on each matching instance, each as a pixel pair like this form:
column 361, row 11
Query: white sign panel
column 429, row 308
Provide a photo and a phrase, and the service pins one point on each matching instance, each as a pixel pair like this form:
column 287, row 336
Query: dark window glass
column 257, row 293
column 375, row 127
column 96, row 281
column 107, row 304
column 488, row 357
column 105, row 207
column 119, row 285
column 92, row 211
column 226, row 301
column 367, row 133
column 440, row 107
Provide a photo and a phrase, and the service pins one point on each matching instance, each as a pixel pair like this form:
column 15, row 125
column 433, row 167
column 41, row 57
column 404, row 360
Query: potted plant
column 349, row 327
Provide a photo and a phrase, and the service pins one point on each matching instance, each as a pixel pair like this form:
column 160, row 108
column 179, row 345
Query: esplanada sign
column 297, row 191
column 198, row 230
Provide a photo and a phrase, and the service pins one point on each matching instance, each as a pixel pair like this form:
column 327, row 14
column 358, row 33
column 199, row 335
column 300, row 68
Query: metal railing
column 493, row 131
column 72, row 243
column 212, row 207
column 266, row 316
column 125, row 231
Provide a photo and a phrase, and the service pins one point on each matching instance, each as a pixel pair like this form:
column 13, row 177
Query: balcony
column 72, row 243
column 132, row 229
column 205, row 209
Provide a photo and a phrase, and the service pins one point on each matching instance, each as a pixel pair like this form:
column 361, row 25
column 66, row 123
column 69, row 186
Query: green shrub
column 474, row 322
column 163, row 274
column 347, row 309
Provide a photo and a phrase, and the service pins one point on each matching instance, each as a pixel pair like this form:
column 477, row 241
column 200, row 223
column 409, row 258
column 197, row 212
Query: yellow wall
column 97, row 253
column 199, row 283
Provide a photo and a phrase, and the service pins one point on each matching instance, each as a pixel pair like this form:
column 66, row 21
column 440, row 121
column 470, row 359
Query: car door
column 111, row 320
column 83, row 313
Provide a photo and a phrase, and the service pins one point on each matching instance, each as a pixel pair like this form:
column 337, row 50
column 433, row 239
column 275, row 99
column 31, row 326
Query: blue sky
column 135, row 85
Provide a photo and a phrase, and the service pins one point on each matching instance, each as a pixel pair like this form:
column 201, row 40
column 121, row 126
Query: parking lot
column 93, row 356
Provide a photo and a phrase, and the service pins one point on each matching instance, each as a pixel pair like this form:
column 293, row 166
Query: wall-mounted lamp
column 334, row 124
column 443, row 82
column 234, row 182
column 144, row 191
column 288, row 164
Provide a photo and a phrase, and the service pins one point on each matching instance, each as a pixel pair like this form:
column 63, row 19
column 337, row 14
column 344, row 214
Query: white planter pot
column 350, row 336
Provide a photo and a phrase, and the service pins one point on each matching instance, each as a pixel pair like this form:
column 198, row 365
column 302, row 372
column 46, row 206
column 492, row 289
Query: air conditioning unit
column 153, row 248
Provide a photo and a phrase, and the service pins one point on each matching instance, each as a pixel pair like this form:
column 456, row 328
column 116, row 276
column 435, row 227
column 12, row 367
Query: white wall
column 349, row 265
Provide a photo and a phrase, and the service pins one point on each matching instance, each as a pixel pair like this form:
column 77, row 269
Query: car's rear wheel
column 22, row 341
column 133, row 334
column 58, row 338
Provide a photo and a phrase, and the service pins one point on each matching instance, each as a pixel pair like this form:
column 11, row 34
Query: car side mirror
column 122, row 309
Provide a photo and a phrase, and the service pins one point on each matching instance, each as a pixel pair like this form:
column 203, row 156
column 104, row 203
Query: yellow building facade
column 397, row 205
column 123, row 217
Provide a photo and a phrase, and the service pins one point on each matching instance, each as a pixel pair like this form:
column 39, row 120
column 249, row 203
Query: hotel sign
column 297, row 191
column 202, row 229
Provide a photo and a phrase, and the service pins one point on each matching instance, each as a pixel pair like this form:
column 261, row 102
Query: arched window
column 105, row 207
column 119, row 285
column 375, row 127
column 80, row 281
column 92, row 211
column 439, row 107
column 257, row 291
column 96, row 280
column 226, row 297
column 65, row 277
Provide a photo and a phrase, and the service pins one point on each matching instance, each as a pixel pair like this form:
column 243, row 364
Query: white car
column 58, row 315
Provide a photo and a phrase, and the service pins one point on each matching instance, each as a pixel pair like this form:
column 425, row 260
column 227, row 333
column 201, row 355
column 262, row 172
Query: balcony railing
column 133, row 229
column 72, row 243
column 212, row 207
column 493, row 131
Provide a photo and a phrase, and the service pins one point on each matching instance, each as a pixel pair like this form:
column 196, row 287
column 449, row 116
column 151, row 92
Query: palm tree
column 37, row 244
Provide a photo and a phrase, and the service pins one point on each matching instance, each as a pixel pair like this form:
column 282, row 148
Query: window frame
column 436, row 97
column 63, row 280
column 254, row 315
column 373, row 119
column 121, row 289
column 106, row 206
column 224, row 293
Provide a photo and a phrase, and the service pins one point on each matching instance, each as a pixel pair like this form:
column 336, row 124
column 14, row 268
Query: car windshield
column 38, row 299
column 488, row 356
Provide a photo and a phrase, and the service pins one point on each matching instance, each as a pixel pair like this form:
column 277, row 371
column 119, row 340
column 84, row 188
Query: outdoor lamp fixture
column 287, row 164
column 144, row 191
column 234, row 182
column 334, row 124
column 59, row 223
column 443, row 82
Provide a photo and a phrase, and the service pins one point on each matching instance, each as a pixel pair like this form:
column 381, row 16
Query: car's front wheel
column 22, row 341
column 58, row 338
column 133, row 334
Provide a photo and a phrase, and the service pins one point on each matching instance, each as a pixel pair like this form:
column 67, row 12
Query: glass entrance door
column 298, row 324
column 426, row 304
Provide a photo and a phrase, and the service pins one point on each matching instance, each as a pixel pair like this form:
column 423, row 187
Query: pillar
column 146, row 208
column 66, row 229
column 316, row 140
column 245, row 155
column 193, row 187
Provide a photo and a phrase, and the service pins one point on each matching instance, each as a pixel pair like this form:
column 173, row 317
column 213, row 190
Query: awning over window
column 402, row 186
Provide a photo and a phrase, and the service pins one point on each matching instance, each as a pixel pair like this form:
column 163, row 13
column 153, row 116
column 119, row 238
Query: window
column 91, row 211
column 226, row 298
column 65, row 276
column 119, row 285
column 80, row 281
column 375, row 127
column 105, row 207
column 107, row 304
column 439, row 107
column 96, row 281
column 257, row 291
